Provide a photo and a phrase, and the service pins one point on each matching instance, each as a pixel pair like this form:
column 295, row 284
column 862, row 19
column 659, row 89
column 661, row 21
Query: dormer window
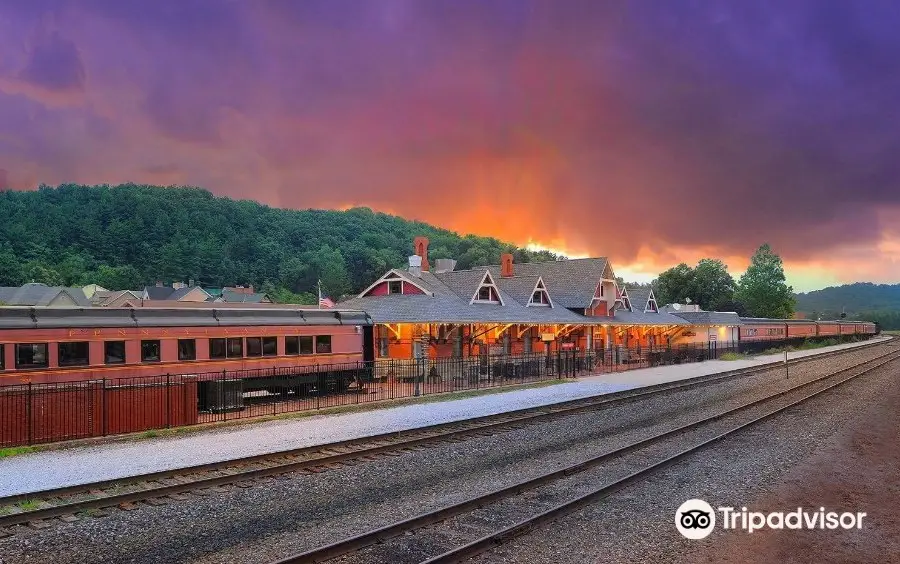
column 487, row 292
column 539, row 296
column 651, row 306
column 395, row 287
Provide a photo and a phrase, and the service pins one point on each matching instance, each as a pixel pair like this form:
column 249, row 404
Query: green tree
column 675, row 285
column 763, row 289
column 713, row 287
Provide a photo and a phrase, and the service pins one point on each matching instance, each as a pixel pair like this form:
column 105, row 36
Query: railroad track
column 97, row 498
column 482, row 502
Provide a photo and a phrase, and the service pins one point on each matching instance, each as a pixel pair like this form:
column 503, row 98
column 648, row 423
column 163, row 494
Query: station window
column 323, row 343
column 74, row 354
column 235, row 348
column 187, row 349
column 270, row 346
column 31, row 355
column 114, row 352
column 254, row 346
column 217, row 348
column 150, row 351
column 395, row 287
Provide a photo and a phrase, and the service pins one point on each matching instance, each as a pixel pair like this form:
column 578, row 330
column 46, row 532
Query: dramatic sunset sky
column 650, row 131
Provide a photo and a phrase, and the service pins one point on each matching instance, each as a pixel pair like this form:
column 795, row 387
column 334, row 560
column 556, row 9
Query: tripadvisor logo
column 696, row 519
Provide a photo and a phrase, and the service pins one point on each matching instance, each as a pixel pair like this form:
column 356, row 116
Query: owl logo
column 695, row 519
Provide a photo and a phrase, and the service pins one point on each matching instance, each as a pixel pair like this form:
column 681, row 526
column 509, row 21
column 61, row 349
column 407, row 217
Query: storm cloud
column 652, row 132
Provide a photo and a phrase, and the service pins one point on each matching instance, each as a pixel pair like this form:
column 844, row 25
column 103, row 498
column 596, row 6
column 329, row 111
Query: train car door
column 368, row 343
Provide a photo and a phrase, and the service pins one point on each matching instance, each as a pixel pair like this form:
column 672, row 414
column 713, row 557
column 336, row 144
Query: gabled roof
column 35, row 294
column 521, row 288
column 640, row 298
column 158, row 292
column 571, row 283
column 395, row 274
column 449, row 301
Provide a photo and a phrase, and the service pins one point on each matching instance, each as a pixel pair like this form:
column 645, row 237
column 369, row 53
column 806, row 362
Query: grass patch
column 28, row 505
column 733, row 356
column 13, row 451
column 149, row 434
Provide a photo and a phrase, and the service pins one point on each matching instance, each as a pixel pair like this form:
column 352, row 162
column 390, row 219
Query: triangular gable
column 622, row 298
column 540, row 287
column 487, row 283
column 655, row 306
column 394, row 276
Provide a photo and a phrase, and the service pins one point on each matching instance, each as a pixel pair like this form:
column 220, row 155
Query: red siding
column 411, row 289
column 77, row 411
column 379, row 290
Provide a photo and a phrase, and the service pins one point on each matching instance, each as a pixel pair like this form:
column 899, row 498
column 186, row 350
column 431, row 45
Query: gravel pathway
column 58, row 468
column 637, row 525
column 292, row 513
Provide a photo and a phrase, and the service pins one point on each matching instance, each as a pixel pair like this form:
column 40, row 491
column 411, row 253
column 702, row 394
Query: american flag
column 325, row 302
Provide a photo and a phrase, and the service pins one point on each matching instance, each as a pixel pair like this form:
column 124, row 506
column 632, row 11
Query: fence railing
column 40, row 413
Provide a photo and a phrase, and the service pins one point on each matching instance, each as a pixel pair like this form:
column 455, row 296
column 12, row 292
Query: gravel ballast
column 109, row 461
column 287, row 514
column 637, row 525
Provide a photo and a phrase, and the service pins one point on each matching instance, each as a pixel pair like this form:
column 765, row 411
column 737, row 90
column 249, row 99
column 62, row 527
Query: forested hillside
column 864, row 300
column 127, row 236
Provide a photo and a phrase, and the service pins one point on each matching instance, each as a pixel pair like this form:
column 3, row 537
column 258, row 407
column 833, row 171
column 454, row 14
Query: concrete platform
column 83, row 464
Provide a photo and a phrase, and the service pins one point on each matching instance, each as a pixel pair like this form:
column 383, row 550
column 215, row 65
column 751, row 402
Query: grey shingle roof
column 571, row 283
column 710, row 317
column 638, row 317
column 638, row 298
column 449, row 303
column 40, row 295
column 520, row 287
column 463, row 283
column 158, row 292
column 237, row 297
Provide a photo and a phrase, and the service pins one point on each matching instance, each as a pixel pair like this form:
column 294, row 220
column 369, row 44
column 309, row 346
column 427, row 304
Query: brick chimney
column 506, row 265
column 421, row 246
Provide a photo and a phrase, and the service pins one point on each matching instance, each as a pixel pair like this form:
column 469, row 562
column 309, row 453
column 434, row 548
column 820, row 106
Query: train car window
column 323, row 343
column 254, row 346
column 114, row 352
column 31, row 355
column 74, row 354
column 2, row 357
column 306, row 345
column 150, row 351
column 270, row 346
column 217, row 348
column 187, row 349
column 235, row 348
column 291, row 345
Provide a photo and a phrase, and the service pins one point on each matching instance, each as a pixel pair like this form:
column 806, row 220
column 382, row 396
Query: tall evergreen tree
column 763, row 289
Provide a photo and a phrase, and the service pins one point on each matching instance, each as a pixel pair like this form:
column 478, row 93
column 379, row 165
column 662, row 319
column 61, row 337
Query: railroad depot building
column 512, row 308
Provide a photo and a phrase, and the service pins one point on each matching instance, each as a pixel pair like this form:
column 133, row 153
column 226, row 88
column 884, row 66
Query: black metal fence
column 38, row 413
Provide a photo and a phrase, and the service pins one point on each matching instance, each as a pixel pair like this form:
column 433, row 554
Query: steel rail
column 398, row 528
column 417, row 437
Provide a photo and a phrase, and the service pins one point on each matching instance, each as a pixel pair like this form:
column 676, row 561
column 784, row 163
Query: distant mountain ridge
column 127, row 236
column 853, row 299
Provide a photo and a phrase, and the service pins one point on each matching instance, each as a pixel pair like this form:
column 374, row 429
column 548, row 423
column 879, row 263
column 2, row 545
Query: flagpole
column 320, row 294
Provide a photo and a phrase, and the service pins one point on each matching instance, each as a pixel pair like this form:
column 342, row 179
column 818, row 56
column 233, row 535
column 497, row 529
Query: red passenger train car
column 47, row 345
column 754, row 329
